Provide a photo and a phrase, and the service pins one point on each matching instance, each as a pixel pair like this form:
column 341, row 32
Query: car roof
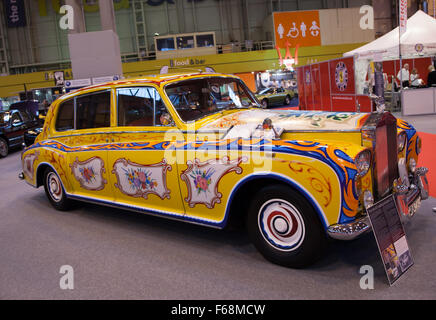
column 157, row 78
column 148, row 79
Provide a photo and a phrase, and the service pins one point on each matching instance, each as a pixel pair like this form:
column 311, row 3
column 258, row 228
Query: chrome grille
column 382, row 129
column 386, row 154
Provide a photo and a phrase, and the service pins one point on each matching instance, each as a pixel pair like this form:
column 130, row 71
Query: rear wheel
column 4, row 148
column 285, row 228
column 55, row 191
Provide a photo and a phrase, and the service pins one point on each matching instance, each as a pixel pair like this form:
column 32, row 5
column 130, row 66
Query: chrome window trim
column 144, row 131
column 75, row 108
column 61, row 103
column 88, row 94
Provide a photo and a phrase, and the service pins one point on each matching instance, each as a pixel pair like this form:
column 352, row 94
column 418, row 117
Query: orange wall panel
column 249, row 80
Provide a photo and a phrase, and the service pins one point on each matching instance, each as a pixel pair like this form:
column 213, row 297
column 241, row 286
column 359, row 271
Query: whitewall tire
column 285, row 228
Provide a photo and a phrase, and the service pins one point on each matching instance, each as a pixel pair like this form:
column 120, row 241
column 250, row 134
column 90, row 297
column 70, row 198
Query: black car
column 30, row 136
column 13, row 125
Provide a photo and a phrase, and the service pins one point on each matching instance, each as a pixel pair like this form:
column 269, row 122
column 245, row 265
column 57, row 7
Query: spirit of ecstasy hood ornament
column 379, row 102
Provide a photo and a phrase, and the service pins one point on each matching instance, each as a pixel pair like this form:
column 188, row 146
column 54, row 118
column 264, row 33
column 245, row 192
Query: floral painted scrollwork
column 318, row 181
column 139, row 180
column 89, row 173
column 202, row 179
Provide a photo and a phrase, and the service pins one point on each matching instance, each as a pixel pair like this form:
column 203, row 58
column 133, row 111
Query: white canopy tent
column 418, row 40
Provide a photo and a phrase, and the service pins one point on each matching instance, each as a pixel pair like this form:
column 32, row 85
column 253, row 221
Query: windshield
column 197, row 98
column 265, row 91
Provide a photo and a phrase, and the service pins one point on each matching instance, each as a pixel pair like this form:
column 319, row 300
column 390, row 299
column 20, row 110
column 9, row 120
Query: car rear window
column 65, row 118
column 93, row 110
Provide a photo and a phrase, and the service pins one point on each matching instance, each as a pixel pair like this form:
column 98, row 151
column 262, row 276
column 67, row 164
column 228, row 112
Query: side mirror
column 16, row 122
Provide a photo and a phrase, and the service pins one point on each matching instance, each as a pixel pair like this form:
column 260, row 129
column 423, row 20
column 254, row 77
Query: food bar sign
column 15, row 14
column 297, row 27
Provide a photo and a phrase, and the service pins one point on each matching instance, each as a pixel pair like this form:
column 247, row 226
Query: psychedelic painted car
column 199, row 148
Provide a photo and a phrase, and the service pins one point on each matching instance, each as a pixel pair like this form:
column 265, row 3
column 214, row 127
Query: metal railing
column 140, row 56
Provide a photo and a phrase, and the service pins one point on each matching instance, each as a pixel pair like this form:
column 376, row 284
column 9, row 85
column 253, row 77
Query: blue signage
column 15, row 13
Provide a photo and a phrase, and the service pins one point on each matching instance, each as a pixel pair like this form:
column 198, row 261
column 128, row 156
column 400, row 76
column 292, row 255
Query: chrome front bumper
column 350, row 231
column 408, row 198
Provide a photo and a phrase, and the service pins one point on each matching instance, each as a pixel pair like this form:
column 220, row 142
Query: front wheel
column 55, row 191
column 265, row 103
column 285, row 228
column 287, row 100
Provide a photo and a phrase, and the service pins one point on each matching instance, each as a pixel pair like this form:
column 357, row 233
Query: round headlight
column 418, row 145
column 402, row 139
column 363, row 162
column 412, row 165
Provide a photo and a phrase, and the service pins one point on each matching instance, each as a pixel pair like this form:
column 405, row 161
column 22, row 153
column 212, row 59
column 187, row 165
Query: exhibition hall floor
column 122, row 255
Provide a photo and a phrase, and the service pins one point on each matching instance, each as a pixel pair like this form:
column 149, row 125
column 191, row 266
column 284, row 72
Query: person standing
column 431, row 78
column 415, row 80
column 404, row 75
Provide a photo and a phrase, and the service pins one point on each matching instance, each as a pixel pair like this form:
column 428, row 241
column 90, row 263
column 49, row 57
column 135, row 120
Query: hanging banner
column 403, row 16
column 15, row 13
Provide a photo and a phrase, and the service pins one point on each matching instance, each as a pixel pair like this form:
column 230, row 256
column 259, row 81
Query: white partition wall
column 95, row 54
column 418, row 101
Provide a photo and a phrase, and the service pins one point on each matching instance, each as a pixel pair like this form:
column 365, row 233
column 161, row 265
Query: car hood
column 244, row 123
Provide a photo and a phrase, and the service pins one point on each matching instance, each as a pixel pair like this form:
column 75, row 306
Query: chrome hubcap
column 54, row 187
column 281, row 225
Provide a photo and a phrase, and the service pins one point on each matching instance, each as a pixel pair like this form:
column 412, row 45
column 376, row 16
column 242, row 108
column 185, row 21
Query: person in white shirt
column 415, row 80
column 404, row 75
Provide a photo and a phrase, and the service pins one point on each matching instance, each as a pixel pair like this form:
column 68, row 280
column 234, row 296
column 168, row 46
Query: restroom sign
column 297, row 27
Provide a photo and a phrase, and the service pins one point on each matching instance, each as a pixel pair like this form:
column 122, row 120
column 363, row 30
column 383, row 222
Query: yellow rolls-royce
column 201, row 149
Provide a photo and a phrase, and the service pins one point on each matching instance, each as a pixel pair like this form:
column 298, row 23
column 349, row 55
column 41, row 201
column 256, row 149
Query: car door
column 17, row 128
column 30, row 120
column 208, row 170
column 279, row 96
column 142, row 174
column 88, row 170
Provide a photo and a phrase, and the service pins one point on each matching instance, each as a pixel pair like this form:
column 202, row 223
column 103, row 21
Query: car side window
column 141, row 106
column 26, row 116
column 93, row 110
column 16, row 118
column 65, row 117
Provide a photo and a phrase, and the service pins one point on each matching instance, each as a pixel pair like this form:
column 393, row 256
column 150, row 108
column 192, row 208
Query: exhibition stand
column 418, row 46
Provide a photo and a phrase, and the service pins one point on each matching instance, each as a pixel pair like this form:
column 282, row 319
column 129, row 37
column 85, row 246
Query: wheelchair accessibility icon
column 293, row 32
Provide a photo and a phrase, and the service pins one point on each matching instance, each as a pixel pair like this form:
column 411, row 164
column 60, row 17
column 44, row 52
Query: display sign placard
column 390, row 237
column 78, row 83
column 98, row 80
column 59, row 77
